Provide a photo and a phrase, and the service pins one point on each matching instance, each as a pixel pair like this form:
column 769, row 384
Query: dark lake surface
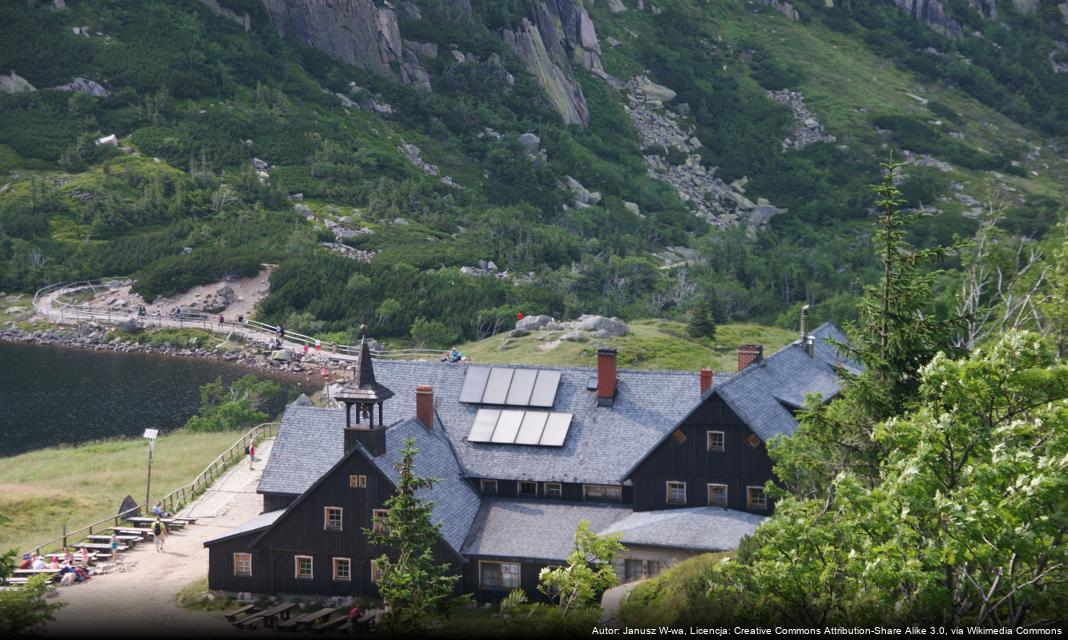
column 55, row 395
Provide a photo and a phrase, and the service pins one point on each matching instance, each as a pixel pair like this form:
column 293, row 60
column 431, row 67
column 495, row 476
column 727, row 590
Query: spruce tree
column 416, row 587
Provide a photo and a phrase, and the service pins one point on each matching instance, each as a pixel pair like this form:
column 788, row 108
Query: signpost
column 150, row 435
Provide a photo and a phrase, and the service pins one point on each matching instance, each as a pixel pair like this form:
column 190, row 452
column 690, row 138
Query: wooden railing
column 174, row 500
column 198, row 319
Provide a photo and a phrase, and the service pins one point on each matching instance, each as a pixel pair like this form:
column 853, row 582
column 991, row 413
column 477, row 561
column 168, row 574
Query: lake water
column 55, row 395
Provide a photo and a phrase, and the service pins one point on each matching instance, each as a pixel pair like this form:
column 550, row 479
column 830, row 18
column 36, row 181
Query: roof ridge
column 549, row 367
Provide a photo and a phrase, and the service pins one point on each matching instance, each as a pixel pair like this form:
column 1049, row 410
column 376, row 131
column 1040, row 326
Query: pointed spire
column 363, row 387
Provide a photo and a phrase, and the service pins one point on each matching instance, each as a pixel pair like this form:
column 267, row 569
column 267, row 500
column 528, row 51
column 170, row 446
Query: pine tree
column 702, row 324
column 416, row 587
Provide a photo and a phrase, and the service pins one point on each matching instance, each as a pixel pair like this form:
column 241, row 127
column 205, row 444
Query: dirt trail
column 141, row 600
column 246, row 294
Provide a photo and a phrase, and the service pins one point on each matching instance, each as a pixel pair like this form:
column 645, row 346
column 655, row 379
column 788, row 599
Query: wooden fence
column 174, row 500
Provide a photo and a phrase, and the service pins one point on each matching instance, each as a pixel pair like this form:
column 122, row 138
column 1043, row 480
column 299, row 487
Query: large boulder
column 282, row 355
column 14, row 83
column 82, row 85
column 611, row 326
column 575, row 336
column 533, row 323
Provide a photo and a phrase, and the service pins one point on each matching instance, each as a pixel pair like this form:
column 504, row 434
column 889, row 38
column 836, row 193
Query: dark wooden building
column 674, row 462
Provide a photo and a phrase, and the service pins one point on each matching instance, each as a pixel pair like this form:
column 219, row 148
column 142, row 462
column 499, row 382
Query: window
column 652, row 568
column 376, row 571
column 342, row 570
column 528, row 488
column 332, row 518
column 357, row 482
column 757, row 499
column 552, row 490
column 633, row 570
column 753, row 441
column 242, row 564
column 489, row 487
column 605, row 492
column 679, row 437
column 717, row 441
column 676, row 492
column 378, row 519
column 502, row 576
column 302, row 567
column 717, row 495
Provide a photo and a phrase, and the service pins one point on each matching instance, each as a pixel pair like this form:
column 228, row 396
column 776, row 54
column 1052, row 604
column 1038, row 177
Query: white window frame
column 749, row 497
column 726, row 494
column 559, row 489
column 239, row 574
column 708, row 441
column 335, row 561
column 604, row 489
column 311, row 567
column 377, row 519
column 501, row 586
column 340, row 518
column 357, row 481
column 667, row 487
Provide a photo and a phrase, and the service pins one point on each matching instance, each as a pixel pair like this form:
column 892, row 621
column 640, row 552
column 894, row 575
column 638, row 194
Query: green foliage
column 25, row 609
column 589, row 571
column 417, row 587
column 239, row 406
column 431, row 333
column 701, row 324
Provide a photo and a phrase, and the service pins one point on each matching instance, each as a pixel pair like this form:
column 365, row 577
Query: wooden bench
column 267, row 616
column 332, row 623
column 17, row 581
column 243, row 612
column 132, row 531
column 123, row 539
column 147, row 522
column 307, row 619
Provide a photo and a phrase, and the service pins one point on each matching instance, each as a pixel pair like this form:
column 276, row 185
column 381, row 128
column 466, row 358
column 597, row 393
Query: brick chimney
column 706, row 380
column 606, row 376
column 424, row 406
column 749, row 354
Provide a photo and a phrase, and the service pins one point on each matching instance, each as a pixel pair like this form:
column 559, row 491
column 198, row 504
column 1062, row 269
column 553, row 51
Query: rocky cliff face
column 355, row 31
column 933, row 12
column 560, row 33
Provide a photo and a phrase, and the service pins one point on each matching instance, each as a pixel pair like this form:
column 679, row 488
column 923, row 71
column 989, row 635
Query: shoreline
column 91, row 337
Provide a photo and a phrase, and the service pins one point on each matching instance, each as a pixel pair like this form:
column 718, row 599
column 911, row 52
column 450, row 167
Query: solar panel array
column 513, row 426
column 513, row 387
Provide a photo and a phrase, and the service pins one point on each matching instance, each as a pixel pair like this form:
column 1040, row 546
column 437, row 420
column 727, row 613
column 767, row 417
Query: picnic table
column 331, row 623
column 267, row 616
column 123, row 538
column 307, row 619
column 249, row 609
column 33, row 572
column 171, row 523
column 140, row 532
column 98, row 545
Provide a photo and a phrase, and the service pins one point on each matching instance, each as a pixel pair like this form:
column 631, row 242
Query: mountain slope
column 635, row 162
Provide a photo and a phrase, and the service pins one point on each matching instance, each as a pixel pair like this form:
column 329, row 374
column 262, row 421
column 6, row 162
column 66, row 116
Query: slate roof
column 455, row 502
column 363, row 387
column 310, row 441
column 261, row 521
column 763, row 394
column 695, row 528
column 536, row 529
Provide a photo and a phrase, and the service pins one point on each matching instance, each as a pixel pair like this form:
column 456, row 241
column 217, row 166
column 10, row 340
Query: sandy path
column 141, row 601
column 247, row 293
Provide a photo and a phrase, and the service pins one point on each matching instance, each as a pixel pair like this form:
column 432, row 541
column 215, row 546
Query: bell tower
column 364, row 392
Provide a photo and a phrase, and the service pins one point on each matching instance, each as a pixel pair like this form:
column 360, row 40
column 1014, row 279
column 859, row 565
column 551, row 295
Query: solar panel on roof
column 474, row 384
column 522, row 387
column 533, row 425
column 556, row 428
column 497, row 386
column 485, row 422
column 545, row 388
column 507, row 426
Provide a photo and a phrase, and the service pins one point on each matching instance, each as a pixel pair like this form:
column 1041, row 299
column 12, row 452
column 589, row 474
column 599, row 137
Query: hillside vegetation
column 370, row 191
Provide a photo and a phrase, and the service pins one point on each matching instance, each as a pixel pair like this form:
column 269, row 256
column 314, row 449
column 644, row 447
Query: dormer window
column 489, row 487
column 716, row 441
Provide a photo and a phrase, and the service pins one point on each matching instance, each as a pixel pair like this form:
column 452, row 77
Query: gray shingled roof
column 538, row 529
column 261, row 521
column 455, row 502
column 761, row 394
column 695, row 528
column 310, row 441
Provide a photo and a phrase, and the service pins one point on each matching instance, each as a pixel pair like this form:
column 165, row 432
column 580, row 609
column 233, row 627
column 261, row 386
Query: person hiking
column 251, row 451
column 318, row 345
column 114, row 547
column 159, row 533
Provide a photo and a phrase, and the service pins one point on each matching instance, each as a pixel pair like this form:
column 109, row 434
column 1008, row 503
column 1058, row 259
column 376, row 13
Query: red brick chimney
column 706, row 380
column 749, row 354
column 424, row 406
column 606, row 376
